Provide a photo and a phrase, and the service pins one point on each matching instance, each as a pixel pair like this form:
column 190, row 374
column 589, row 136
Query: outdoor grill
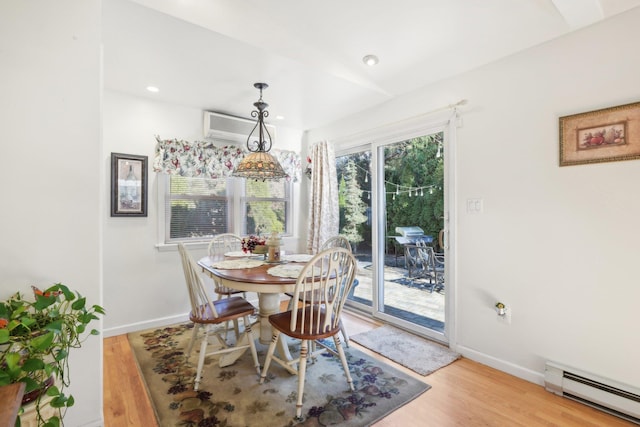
column 407, row 236
column 410, row 235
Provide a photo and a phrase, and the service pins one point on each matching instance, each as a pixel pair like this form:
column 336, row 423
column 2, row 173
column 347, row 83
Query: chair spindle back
column 223, row 243
column 202, row 306
column 338, row 241
column 322, row 288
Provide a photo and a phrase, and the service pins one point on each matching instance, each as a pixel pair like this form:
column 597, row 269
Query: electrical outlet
column 506, row 317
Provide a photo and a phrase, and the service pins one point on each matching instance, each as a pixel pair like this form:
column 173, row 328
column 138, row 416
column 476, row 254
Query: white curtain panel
column 324, row 217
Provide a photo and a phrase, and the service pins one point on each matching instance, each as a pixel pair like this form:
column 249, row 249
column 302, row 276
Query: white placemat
column 286, row 270
column 232, row 264
column 291, row 270
column 297, row 257
column 238, row 254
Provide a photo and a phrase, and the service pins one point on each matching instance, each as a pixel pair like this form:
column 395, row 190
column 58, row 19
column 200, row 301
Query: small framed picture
column 606, row 135
column 128, row 185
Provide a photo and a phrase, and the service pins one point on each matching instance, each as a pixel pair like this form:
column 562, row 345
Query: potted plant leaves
column 36, row 336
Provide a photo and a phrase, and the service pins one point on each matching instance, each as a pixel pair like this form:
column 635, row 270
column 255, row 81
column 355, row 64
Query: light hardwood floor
column 464, row 393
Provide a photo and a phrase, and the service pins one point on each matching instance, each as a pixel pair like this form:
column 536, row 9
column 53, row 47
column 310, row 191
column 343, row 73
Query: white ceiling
column 208, row 53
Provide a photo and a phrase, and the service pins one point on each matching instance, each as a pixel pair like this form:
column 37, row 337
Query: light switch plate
column 474, row 206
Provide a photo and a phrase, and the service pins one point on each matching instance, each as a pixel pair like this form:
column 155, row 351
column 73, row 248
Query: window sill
column 173, row 247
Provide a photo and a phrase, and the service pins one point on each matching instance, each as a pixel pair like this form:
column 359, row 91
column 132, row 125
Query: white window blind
column 266, row 207
column 197, row 208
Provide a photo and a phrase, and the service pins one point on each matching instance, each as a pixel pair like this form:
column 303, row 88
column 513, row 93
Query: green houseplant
column 36, row 336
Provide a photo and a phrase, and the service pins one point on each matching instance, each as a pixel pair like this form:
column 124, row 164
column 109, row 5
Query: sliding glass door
column 393, row 194
column 411, row 197
column 355, row 196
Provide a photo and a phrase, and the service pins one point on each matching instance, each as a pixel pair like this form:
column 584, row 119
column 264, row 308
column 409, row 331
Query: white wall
column 52, row 191
column 558, row 245
column 144, row 286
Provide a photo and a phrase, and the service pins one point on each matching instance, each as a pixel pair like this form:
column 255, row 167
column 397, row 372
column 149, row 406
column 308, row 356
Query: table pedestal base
column 270, row 304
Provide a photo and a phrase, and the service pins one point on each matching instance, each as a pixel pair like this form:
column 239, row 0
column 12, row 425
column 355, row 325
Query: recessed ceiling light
column 279, row 117
column 153, row 89
column 370, row 60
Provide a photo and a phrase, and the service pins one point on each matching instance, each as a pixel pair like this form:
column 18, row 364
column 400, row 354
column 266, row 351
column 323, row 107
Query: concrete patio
column 412, row 301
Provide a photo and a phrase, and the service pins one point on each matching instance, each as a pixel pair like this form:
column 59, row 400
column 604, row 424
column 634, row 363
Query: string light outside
column 401, row 189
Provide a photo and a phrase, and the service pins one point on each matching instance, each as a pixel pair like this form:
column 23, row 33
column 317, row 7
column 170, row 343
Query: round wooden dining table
column 256, row 279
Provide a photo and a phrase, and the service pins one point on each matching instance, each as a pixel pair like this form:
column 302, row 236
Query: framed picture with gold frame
column 606, row 135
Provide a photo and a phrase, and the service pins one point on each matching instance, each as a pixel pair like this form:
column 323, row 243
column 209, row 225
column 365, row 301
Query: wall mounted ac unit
column 609, row 396
column 229, row 129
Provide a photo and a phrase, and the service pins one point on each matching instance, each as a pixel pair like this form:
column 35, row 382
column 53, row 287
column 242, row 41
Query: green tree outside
column 414, row 183
column 350, row 195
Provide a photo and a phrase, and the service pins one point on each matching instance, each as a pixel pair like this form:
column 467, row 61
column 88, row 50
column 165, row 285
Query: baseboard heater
column 606, row 395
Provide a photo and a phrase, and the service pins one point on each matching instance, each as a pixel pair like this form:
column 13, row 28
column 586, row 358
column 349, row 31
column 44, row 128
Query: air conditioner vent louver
column 606, row 395
column 229, row 129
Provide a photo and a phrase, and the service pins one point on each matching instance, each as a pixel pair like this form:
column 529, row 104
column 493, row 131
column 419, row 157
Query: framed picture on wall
column 606, row 135
column 128, row 185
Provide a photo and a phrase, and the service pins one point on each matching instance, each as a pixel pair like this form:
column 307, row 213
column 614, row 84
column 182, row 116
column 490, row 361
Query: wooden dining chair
column 322, row 287
column 208, row 313
column 338, row 241
column 221, row 244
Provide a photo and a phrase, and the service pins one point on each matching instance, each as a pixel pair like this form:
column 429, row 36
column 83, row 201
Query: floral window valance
column 207, row 160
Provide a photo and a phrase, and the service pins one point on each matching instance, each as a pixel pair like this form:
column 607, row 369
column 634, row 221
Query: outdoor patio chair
column 323, row 287
column 433, row 266
column 416, row 267
column 208, row 314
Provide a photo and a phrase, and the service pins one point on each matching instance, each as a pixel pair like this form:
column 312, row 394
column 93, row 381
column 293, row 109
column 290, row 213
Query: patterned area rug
column 231, row 396
column 409, row 350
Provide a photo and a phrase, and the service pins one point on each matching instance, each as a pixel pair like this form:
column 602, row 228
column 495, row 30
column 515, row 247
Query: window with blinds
column 265, row 206
column 198, row 208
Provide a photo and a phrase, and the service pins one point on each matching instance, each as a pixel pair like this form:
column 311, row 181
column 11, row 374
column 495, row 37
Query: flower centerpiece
column 254, row 244
column 36, row 336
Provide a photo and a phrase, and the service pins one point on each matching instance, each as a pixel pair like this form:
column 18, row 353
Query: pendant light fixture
column 259, row 164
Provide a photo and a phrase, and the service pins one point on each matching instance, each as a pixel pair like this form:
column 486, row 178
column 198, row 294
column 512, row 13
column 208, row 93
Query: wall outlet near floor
column 506, row 317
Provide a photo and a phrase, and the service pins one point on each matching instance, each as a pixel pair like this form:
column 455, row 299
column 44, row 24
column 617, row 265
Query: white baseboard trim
column 147, row 324
column 501, row 365
column 162, row 321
